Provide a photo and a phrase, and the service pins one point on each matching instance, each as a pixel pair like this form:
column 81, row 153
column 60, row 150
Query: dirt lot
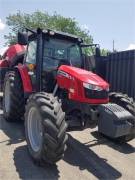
column 89, row 156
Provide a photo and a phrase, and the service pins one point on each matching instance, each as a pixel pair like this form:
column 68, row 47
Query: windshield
column 56, row 51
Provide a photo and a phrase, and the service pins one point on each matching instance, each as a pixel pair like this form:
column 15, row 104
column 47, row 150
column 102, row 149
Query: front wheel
column 45, row 128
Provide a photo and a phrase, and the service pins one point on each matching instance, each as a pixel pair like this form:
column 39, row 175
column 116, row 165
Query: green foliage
column 104, row 52
column 44, row 20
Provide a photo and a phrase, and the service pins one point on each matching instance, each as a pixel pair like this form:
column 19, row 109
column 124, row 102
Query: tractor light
column 31, row 67
column 51, row 33
column 45, row 31
column 92, row 87
column 80, row 39
column 71, row 90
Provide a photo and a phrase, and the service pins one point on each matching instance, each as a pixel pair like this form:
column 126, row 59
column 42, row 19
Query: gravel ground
column 89, row 156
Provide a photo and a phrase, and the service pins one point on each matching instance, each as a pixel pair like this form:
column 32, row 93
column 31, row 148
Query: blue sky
column 105, row 19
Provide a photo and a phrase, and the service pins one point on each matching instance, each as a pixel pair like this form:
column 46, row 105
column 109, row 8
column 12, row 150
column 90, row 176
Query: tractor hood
column 83, row 76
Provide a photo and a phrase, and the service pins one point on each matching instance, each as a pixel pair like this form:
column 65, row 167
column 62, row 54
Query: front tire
column 13, row 97
column 45, row 128
column 127, row 103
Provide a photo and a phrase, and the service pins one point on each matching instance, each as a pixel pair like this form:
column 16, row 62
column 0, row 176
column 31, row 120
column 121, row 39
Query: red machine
column 49, row 84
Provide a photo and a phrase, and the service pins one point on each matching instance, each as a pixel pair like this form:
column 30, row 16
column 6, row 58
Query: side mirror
column 22, row 38
column 98, row 53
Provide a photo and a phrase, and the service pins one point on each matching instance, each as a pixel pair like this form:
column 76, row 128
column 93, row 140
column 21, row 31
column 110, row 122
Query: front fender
column 27, row 85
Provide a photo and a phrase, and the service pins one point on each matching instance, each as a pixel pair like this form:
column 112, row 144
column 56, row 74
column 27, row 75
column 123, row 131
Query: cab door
column 30, row 61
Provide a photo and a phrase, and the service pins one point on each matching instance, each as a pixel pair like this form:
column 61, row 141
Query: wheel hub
column 34, row 129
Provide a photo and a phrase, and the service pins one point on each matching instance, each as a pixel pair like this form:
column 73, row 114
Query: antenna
column 113, row 46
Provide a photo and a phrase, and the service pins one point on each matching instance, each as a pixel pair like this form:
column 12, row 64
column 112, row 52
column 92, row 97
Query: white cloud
column 131, row 46
column 2, row 25
column 2, row 50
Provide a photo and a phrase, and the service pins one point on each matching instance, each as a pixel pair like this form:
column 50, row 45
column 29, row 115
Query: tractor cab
column 47, row 50
column 58, row 51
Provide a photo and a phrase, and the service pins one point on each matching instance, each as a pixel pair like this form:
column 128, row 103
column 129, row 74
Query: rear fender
column 27, row 85
column 4, row 64
column 4, row 68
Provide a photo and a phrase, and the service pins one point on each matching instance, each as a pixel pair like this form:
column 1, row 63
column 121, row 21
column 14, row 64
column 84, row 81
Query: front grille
column 93, row 94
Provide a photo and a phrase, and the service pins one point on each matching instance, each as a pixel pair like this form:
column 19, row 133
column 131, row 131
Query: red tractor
column 49, row 87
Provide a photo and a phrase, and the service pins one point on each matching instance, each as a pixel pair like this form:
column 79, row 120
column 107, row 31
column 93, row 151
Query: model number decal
column 62, row 73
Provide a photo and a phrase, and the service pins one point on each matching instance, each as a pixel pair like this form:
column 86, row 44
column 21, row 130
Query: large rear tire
column 45, row 128
column 127, row 103
column 13, row 97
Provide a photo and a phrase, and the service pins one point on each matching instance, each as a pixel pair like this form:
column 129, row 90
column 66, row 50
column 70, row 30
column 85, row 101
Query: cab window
column 31, row 53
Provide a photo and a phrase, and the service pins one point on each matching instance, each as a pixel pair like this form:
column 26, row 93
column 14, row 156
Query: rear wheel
column 127, row 103
column 45, row 128
column 13, row 97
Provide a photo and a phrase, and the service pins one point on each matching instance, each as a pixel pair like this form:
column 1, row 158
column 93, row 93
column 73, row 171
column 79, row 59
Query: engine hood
column 84, row 76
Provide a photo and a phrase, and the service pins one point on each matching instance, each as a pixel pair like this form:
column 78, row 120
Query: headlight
column 92, row 87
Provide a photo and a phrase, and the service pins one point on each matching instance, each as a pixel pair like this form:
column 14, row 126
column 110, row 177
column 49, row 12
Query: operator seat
column 49, row 75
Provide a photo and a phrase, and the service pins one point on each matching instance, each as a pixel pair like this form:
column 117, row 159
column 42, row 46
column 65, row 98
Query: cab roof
column 55, row 34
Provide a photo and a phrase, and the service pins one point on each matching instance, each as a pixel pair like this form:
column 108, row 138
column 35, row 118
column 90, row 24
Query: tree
column 44, row 20
column 104, row 52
